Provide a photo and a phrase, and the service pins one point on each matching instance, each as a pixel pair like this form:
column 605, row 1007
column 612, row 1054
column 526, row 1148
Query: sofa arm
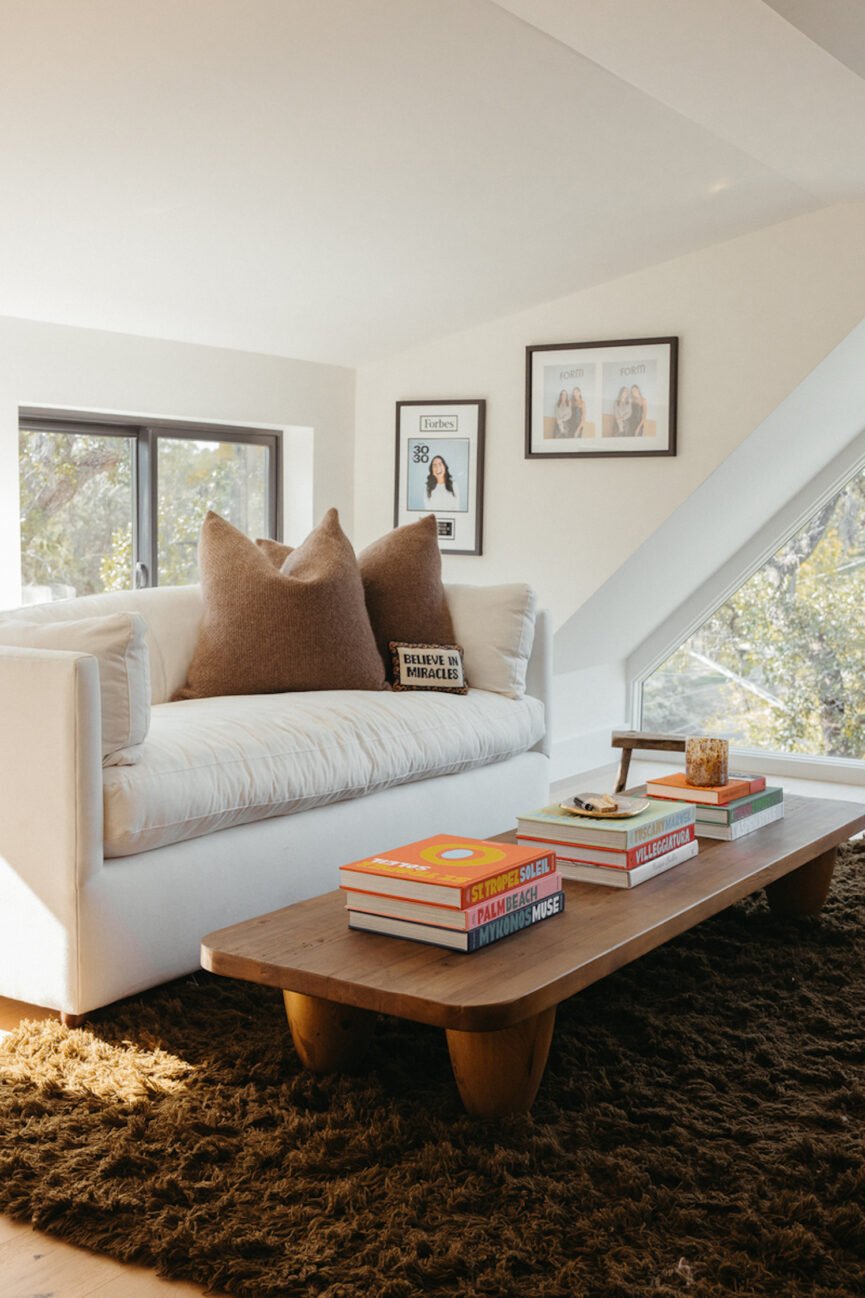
column 50, row 817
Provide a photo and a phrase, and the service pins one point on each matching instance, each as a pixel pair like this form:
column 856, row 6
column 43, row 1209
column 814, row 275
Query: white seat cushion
column 212, row 763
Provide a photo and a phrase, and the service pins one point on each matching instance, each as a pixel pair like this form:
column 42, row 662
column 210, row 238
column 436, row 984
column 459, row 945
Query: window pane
column 781, row 665
column 194, row 476
column 76, row 514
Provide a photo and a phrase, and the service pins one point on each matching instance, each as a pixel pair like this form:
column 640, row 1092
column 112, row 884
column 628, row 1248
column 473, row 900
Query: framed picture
column 439, row 469
column 610, row 398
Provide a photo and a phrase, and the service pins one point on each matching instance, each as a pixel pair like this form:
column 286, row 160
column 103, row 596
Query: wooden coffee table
column 498, row 1005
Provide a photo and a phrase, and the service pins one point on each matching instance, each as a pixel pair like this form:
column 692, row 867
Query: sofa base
column 141, row 918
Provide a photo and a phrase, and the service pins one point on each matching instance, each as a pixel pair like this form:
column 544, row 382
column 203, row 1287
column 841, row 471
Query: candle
column 706, row 761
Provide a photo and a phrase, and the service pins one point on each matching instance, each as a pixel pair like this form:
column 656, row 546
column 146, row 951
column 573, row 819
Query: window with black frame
column 114, row 505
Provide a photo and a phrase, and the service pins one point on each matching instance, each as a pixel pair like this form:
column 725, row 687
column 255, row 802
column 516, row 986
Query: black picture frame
column 595, row 424
column 453, row 431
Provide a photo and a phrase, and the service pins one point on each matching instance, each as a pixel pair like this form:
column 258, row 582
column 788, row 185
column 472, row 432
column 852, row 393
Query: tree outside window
column 82, row 499
column 781, row 665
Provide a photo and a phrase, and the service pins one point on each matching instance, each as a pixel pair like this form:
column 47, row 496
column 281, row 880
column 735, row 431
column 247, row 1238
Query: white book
column 741, row 827
column 611, row 877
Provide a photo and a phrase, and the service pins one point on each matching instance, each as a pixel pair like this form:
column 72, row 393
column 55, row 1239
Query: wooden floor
column 33, row 1265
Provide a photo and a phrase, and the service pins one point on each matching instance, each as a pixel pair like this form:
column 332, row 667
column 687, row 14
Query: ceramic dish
column 627, row 807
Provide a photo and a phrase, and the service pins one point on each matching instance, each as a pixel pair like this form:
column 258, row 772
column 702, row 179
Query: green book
column 551, row 824
column 741, row 808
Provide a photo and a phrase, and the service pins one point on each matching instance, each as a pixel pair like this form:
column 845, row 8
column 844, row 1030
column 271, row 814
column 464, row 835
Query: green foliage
column 77, row 506
column 229, row 478
column 781, row 665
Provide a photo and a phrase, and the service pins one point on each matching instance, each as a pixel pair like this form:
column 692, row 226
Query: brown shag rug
column 699, row 1131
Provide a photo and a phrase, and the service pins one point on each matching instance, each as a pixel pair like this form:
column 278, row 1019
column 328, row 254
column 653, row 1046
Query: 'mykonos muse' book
column 475, row 939
column 661, row 818
column 449, row 871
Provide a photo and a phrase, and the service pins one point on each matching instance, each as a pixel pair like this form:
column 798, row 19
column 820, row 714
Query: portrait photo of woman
column 441, row 490
column 578, row 414
column 563, row 415
column 622, row 412
column 639, row 411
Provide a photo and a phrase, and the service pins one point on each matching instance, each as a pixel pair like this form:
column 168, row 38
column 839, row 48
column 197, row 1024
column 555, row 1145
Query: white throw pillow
column 118, row 643
column 495, row 625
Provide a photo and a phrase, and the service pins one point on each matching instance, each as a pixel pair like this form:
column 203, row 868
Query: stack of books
column 728, row 811
column 462, row 893
column 618, row 853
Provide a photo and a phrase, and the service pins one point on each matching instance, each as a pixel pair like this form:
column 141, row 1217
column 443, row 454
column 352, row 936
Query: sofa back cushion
column 172, row 614
column 495, row 625
column 402, row 584
column 494, row 658
column 265, row 629
column 117, row 641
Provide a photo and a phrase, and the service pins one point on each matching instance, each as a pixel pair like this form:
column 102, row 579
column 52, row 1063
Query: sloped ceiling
column 339, row 179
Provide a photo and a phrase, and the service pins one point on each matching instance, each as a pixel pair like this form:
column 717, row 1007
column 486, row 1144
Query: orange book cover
column 681, row 789
column 448, row 870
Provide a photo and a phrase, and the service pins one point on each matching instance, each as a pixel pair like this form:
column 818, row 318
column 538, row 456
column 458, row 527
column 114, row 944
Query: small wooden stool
column 628, row 740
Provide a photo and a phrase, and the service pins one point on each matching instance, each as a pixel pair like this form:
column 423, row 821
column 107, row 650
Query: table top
column 308, row 947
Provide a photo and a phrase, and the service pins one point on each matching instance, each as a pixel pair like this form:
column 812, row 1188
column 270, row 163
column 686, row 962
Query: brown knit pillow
column 276, row 552
column 303, row 626
column 402, row 582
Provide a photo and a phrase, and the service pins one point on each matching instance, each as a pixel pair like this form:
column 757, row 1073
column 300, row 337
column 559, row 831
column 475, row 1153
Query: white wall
column 86, row 369
column 754, row 317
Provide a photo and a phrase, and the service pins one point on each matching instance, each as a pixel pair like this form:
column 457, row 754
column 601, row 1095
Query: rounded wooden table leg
column 803, row 891
column 500, row 1072
column 329, row 1037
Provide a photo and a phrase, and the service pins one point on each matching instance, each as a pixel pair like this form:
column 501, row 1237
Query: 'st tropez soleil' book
column 448, row 871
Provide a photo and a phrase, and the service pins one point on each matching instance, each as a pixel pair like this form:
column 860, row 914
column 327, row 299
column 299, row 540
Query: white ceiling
column 339, row 179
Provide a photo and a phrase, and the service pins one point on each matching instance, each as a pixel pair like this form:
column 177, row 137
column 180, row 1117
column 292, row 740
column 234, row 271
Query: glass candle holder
column 706, row 761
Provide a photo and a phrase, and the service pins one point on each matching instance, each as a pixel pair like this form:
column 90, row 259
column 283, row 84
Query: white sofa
column 109, row 876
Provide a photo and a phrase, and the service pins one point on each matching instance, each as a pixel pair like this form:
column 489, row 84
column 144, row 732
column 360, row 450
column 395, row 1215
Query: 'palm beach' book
column 475, row 938
column 618, row 858
column 739, row 828
column 419, row 912
column 741, row 808
column 677, row 786
column 448, row 871
column 660, row 818
column 613, row 878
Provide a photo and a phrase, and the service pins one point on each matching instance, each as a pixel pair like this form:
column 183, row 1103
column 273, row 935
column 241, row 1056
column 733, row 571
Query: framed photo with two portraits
column 604, row 398
column 439, row 469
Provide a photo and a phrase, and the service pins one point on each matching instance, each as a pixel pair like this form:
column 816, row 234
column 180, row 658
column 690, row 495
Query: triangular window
column 781, row 665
